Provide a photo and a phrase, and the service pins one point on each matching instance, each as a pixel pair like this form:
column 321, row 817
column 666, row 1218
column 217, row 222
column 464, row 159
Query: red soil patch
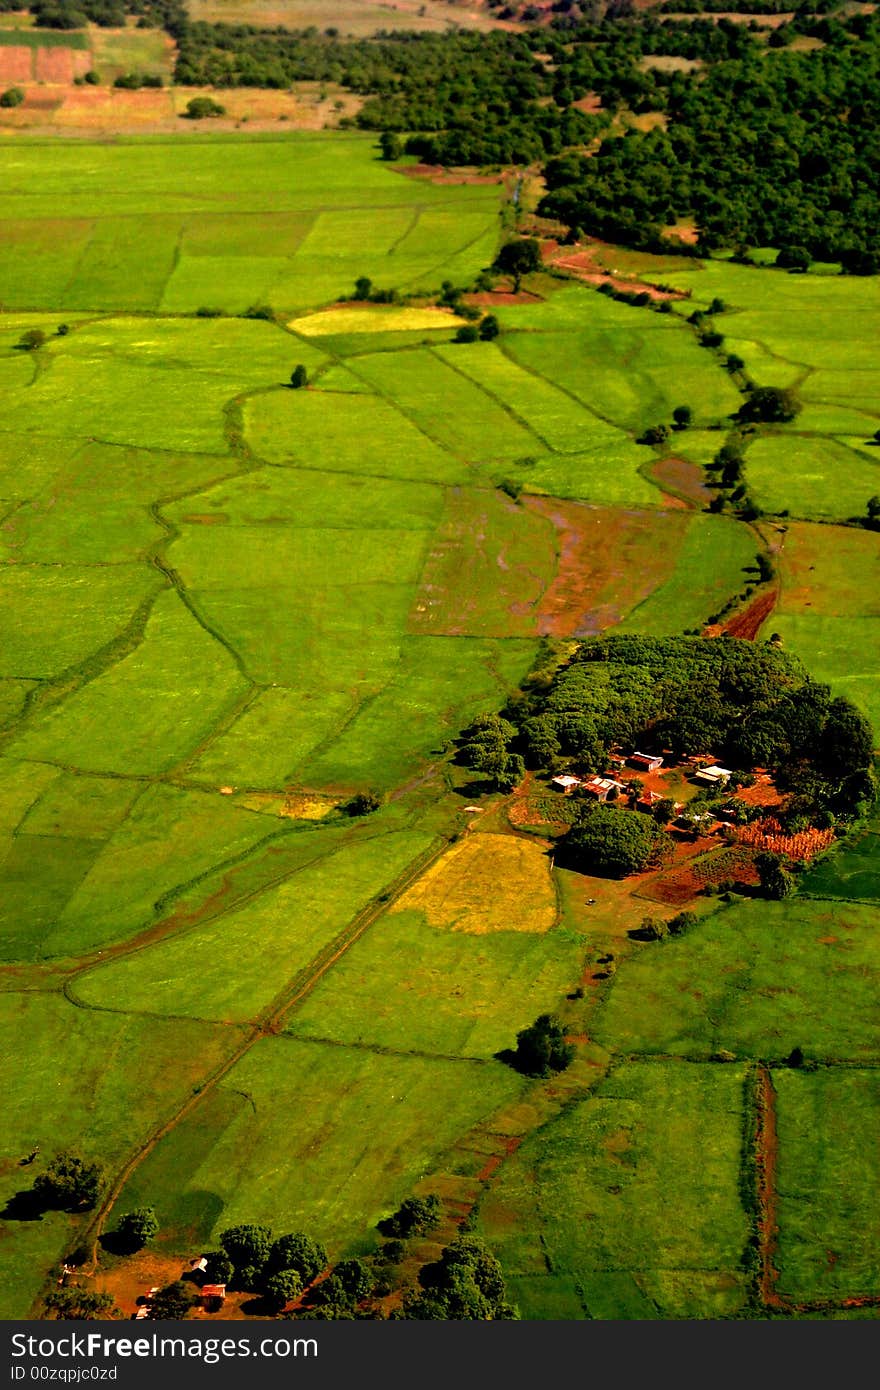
column 609, row 560
column 763, row 793
column 581, row 262
column 683, row 479
column 749, row 622
column 490, row 297
column 766, row 1156
column 16, row 64
column 590, row 104
column 59, row 64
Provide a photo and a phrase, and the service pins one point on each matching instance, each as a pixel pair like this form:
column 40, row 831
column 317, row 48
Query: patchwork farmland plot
column 235, row 614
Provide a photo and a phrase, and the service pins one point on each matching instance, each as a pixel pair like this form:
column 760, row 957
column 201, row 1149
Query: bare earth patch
column 609, row 561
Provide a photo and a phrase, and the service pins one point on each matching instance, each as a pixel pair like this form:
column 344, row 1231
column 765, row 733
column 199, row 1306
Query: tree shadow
column 24, row 1206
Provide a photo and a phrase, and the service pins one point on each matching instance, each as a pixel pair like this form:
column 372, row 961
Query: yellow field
column 374, row 320
column 487, row 883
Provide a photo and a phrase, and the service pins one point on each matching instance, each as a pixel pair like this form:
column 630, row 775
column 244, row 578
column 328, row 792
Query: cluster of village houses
column 211, row 1296
column 609, row 788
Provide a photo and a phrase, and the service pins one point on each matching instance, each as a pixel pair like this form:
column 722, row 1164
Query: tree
column 172, row 1303
column 465, row 1284
column 69, row 1182
column 416, row 1216
column 541, row 1048
column 219, row 1269
column 776, row 881
column 467, row 334
column 611, row 840
column 13, row 96
column 769, row 405
column 363, row 287
column 362, row 804
column 137, row 1227
column 31, row 339
column 350, row 1282
column 282, row 1288
column 299, row 1252
column 73, row 1302
column 299, row 377
column 873, row 513
column 247, row 1246
column 793, row 258
column 654, row 434
column 682, row 415
column 681, row 923
column 198, row 108
column 390, row 145
column 519, row 258
column 489, row 328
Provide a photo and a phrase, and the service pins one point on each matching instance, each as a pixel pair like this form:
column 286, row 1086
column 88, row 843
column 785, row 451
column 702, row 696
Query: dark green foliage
column 362, row 804
column 484, row 747
column 363, row 286
column 519, row 258
column 31, row 339
column 610, row 840
column 541, row 1048
column 750, row 704
column 69, row 1183
column 137, row 1227
column 776, row 881
column 416, row 1216
column 682, row 415
column 282, row 1288
column 72, row 1302
column 465, row 1284
column 219, row 1268
column 247, row 1246
column 299, row 1252
column 172, row 1303
column 390, row 145
column 13, row 96
column 793, row 258
column 197, row 108
column 467, row 334
column 489, row 328
column 655, row 434
column 350, row 1283
column 681, row 923
column 770, row 405
column 299, row 377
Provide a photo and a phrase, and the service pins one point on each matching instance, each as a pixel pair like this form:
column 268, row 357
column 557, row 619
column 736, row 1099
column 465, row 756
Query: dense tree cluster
column 465, row 1284
column 69, row 1183
column 614, row 841
column 759, row 150
column 108, row 14
column 749, row 704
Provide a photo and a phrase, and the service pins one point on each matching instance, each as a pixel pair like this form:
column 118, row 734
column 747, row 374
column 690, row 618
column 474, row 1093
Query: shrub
column 467, row 334
column 13, row 96
column 197, row 108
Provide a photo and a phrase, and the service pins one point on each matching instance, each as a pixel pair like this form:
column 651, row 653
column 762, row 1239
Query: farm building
column 646, row 762
column 602, row 788
column 713, row 775
column 213, row 1294
column 565, row 783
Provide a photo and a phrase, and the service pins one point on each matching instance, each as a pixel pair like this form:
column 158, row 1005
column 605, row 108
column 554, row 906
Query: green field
column 230, row 606
column 757, row 980
column 628, row 1205
column 289, row 221
column 828, row 1171
column 354, row 1130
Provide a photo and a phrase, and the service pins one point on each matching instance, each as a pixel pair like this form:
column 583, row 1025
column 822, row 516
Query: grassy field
column 828, row 1170
column 356, row 1128
column 628, row 1206
column 853, row 871
column 75, row 1083
column 242, row 222
column 829, row 613
column 816, row 334
column 757, row 980
column 230, row 605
